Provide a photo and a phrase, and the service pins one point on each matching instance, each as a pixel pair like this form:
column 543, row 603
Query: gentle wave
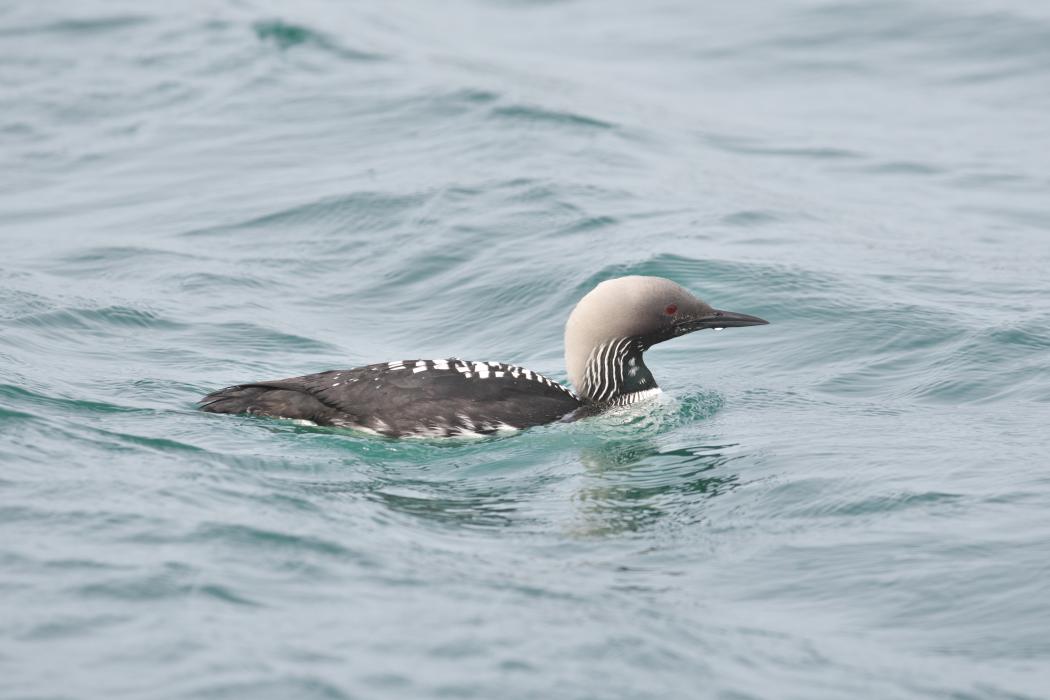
column 848, row 502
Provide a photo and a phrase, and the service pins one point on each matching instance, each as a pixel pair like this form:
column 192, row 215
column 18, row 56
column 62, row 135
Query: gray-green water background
column 851, row 502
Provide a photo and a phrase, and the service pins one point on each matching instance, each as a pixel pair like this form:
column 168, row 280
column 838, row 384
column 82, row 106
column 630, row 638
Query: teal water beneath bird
column 852, row 501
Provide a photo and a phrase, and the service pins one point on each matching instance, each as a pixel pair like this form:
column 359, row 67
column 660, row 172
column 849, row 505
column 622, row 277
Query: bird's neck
column 615, row 370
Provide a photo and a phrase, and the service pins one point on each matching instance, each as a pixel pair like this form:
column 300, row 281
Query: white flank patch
column 298, row 421
column 418, row 369
column 425, row 431
column 461, row 433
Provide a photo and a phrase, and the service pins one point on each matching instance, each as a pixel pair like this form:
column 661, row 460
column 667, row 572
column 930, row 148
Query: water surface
column 851, row 502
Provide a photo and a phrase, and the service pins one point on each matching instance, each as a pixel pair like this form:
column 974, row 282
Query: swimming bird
column 605, row 337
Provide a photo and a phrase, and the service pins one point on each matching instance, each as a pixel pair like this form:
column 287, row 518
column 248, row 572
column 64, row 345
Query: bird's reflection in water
column 633, row 484
column 474, row 508
column 626, row 482
column 628, row 485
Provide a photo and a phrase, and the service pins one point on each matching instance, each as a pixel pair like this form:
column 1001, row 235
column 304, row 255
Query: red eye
column 671, row 309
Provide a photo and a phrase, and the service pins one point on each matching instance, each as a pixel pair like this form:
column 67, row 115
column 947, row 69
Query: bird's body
column 420, row 398
column 605, row 337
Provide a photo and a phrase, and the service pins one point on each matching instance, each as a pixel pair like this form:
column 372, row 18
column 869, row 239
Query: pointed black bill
column 718, row 320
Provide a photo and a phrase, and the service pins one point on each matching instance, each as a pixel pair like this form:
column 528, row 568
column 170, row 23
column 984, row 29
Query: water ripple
column 849, row 502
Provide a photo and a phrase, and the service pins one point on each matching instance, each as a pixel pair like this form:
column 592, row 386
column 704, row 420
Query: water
column 851, row 502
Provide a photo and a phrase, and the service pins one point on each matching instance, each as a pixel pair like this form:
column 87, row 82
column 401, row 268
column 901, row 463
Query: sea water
column 853, row 501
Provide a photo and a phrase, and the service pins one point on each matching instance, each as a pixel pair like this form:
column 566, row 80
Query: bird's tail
column 243, row 398
column 268, row 400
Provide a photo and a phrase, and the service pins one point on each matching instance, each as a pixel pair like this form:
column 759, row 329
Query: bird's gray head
column 619, row 319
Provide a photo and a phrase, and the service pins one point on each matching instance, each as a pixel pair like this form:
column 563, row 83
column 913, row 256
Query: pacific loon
column 605, row 337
